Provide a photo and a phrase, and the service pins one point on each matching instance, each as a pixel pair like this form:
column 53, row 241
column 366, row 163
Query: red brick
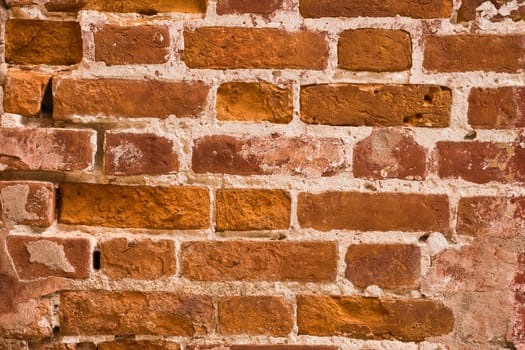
column 139, row 154
column 20, row 299
column 46, row 149
column 260, row 261
column 32, row 319
column 491, row 216
column 372, row 318
column 134, row 206
column 373, row 212
column 484, row 265
column 471, row 52
column 255, row 315
column 149, row 313
column 375, row 50
column 132, row 45
column 376, row 105
column 482, row 319
column 481, row 162
column 128, row 98
column 267, row 48
column 147, row 7
column 501, row 108
column 389, row 153
column 139, row 259
column 375, row 8
column 42, row 42
column 391, row 266
column 260, row 7
column 277, row 155
column 243, row 210
column 237, row 101
column 35, row 257
column 138, row 345
column 27, row 202
column 24, row 92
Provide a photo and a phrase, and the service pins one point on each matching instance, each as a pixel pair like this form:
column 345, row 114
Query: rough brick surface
column 392, row 266
column 238, row 101
column 375, row 50
column 261, row 7
column 27, row 202
column 139, row 259
column 277, row 155
column 259, row 261
column 389, row 153
column 43, row 42
column 491, row 216
column 481, row 162
column 132, row 45
column 231, row 47
column 127, row 98
column 255, row 315
column 262, row 174
column 103, row 312
column 24, row 92
column 376, row 105
column 372, row 318
column 373, row 212
column 136, row 154
column 375, row 8
column 147, row 7
column 502, row 108
column 242, row 210
column 463, row 53
column 134, row 206
column 35, row 257
column 46, row 149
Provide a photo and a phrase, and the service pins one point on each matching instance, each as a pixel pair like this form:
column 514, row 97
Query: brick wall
column 262, row 175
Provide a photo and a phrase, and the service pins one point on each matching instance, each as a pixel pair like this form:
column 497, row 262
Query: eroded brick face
column 262, row 175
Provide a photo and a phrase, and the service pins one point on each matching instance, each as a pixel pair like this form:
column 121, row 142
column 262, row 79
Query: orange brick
column 375, row 50
column 42, row 42
column 470, row 52
column 24, row 92
column 138, row 259
column 268, row 48
column 372, row 318
column 134, row 206
column 239, row 101
column 132, row 45
column 373, row 212
column 242, row 210
column 109, row 313
column 255, row 315
column 259, row 261
column 128, row 98
column 376, row 105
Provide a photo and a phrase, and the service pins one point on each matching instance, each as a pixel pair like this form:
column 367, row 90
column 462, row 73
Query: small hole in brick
column 46, row 106
column 406, row 119
column 428, row 98
column 424, row 237
column 96, row 260
column 419, row 115
column 56, row 331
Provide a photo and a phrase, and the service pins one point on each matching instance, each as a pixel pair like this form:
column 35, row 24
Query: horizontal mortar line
column 218, row 290
column 304, row 77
